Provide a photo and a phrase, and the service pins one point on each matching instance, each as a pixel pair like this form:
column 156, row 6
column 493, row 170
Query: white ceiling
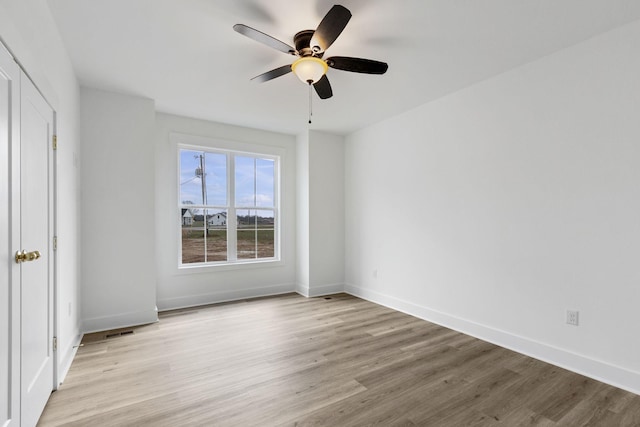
column 185, row 55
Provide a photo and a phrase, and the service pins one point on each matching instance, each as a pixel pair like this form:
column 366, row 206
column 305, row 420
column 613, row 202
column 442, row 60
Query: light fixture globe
column 309, row 69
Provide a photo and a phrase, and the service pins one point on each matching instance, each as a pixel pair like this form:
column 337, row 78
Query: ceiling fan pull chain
column 310, row 103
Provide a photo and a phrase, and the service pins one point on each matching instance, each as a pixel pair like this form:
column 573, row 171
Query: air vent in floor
column 118, row 334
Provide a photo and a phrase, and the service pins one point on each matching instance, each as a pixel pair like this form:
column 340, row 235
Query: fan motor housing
column 302, row 41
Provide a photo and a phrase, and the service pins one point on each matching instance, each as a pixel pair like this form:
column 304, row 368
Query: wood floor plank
column 340, row 361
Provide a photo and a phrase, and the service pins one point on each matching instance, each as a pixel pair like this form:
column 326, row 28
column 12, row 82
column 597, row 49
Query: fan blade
column 270, row 75
column 357, row 65
column 323, row 88
column 263, row 38
column 330, row 28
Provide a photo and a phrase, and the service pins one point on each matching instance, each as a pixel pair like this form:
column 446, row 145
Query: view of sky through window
column 254, row 180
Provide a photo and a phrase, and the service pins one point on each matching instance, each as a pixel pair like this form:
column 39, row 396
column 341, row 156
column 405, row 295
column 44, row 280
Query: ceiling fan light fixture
column 309, row 69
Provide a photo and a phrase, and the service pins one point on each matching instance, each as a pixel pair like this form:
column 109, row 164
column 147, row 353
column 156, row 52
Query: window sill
column 239, row 265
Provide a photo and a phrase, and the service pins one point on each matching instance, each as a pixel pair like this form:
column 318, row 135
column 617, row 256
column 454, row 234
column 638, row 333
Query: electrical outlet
column 375, row 273
column 572, row 317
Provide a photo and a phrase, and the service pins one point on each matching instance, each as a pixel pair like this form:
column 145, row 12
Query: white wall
column 118, row 210
column 188, row 287
column 320, row 210
column 326, row 213
column 497, row 208
column 302, row 213
column 28, row 30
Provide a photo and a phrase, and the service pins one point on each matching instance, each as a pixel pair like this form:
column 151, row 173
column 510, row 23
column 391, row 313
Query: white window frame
column 210, row 145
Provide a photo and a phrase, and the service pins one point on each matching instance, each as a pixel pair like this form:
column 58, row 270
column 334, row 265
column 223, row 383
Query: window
column 228, row 206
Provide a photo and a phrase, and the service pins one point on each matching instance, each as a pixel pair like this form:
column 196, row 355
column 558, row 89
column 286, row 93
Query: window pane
column 216, row 179
column 255, row 234
column 190, row 177
column 245, row 181
column 192, row 236
column 216, row 235
column 194, row 165
column 265, row 234
column 246, row 234
column 264, row 183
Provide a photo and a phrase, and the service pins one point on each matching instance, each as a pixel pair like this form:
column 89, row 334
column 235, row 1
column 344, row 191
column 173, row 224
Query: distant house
column 218, row 219
column 187, row 218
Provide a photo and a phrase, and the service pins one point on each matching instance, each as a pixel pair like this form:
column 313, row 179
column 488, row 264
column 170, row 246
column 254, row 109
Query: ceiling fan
column 310, row 46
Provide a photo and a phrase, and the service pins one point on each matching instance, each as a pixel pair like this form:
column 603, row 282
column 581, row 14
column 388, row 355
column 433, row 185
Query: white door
column 9, row 271
column 36, row 232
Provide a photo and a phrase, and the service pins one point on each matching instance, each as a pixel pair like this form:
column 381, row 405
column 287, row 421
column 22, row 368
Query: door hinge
column 55, row 142
column 55, row 343
column 55, row 243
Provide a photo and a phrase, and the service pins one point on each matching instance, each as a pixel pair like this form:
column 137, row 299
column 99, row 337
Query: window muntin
column 216, row 185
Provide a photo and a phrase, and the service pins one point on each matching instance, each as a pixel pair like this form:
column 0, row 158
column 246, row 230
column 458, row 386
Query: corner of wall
column 320, row 290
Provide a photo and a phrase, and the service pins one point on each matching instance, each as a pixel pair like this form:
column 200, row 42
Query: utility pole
column 202, row 174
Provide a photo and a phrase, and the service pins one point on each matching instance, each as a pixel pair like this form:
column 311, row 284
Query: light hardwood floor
column 342, row 361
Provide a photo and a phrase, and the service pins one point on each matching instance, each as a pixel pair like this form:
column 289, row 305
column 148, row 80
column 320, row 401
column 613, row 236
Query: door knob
column 22, row 256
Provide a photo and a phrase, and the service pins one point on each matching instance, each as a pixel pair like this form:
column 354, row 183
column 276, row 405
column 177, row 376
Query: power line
column 189, row 180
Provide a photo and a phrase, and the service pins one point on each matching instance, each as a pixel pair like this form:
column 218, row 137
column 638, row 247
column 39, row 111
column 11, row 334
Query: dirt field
column 193, row 245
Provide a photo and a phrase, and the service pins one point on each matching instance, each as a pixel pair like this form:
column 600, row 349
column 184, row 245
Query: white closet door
column 9, row 238
column 36, row 232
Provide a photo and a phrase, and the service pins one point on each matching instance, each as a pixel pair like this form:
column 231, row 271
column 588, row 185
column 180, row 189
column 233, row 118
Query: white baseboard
column 222, row 296
column 598, row 370
column 122, row 320
column 65, row 359
column 317, row 291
